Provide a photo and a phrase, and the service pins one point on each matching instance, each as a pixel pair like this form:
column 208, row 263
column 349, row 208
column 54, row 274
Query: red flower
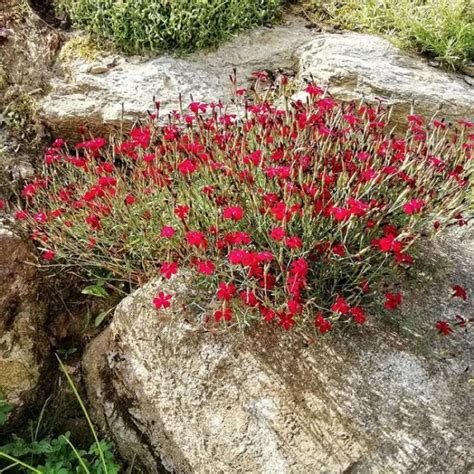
column 226, row 291
column 167, row 232
column 322, row 324
column 48, row 255
column 2, row 204
column 358, row 315
column 248, row 298
column 311, row 89
column 237, row 256
column 168, row 269
column 93, row 221
column 294, row 307
column 444, row 328
column 129, row 199
column 196, row 238
column 278, row 233
column 235, row 213
column 460, row 292
column 206, row 267
column 414, row 206
column 293, row 242
column 286, row 320
column 225, row 313
column 339, row 249
column 392, row 300
column 181, row 211
column 187, row 167
column 21, row 215
column 340, row 306
column 162, row 300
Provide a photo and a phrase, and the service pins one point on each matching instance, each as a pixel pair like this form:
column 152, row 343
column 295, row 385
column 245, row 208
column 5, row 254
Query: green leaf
column 95, row 290
column 101, row 316
column 5, row 408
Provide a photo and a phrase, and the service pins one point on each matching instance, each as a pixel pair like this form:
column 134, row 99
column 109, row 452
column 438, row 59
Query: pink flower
column 167, row 232
column 162, row 300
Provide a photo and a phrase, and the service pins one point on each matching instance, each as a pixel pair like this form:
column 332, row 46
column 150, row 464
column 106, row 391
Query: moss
column 80, row 47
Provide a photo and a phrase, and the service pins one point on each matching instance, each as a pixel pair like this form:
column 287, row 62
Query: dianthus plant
column 303, row 212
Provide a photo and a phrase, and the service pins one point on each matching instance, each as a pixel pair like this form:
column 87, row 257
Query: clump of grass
column 441, row 29
column 139, row 26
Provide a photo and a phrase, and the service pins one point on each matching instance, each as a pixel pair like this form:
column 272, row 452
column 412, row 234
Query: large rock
column 353, row 65
column 383, row 398
column 357, row 65
column 24, row 347
column 93, row 93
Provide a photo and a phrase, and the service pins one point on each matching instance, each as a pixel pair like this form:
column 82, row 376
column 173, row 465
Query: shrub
column 138, row 26
column 309, row 211
column 443, row 29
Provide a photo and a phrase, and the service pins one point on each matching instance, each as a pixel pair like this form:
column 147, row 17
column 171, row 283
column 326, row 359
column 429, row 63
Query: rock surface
column 355, row 65
column 352, row 64
column 389, row 397
column 94, row 93
column 24, row 347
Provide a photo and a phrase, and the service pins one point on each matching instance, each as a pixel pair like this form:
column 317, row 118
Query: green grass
column 441, row 29
column 140, row 26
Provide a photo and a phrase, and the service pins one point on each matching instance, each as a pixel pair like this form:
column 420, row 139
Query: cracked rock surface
column 388, row 396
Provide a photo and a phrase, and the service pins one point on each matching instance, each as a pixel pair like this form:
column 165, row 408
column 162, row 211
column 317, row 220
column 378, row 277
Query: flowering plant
column 308, row 211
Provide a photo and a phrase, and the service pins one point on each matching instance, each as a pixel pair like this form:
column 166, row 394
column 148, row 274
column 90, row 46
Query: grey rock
column 387, row 397
column 353, row 66
column 96, row 100
column 357, row 65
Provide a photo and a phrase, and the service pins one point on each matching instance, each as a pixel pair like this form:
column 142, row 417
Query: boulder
column 386, row 397
column 92, row 93
column 357, row 65
column 112, row 92
column 24, row 346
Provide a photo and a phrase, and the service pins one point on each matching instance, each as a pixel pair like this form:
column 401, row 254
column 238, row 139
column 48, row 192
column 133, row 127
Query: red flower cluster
column 281, row 214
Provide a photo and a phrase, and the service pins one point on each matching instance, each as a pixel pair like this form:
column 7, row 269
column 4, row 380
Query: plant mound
column 307, row 211
column 138, row 26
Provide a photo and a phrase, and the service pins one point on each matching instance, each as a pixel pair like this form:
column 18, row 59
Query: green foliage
column 5, row 408
column 138, row 26
column 57, row 455
column 442, row 29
